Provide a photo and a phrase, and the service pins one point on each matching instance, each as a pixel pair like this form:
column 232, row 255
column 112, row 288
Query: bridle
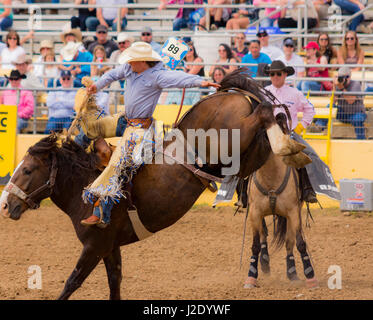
column 30, row 198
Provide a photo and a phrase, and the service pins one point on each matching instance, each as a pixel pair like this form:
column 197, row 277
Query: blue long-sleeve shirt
column 85, row 68
column 61, row 104
column 143, row 90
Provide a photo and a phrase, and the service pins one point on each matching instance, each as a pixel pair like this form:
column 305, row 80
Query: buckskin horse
column 274, row 189
column 162, row 193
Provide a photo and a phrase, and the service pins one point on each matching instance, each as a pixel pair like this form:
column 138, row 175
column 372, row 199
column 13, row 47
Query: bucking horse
column 162, row 193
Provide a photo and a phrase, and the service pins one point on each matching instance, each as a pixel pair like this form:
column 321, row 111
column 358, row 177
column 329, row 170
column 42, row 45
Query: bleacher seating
column 52, row 24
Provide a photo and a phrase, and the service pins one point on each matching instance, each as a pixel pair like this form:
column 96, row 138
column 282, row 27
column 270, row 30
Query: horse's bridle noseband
column 30, row 198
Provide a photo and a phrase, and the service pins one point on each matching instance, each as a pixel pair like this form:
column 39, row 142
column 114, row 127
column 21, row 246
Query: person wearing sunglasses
column 26, row 102
column 296, row 102
column 350, row 51
column 60, row 105
column 12, row 51
column 108, row 16
column 290, row 58
column 272, row 51
column 103, row 40
column 326, row 48
column 147, row 36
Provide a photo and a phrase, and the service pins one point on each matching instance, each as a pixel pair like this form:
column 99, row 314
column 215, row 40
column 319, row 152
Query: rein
column 181, row 106
column 30, row 198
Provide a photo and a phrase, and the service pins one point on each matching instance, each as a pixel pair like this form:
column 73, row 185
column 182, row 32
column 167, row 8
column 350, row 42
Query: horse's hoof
column 250, row 283
column 312, row 283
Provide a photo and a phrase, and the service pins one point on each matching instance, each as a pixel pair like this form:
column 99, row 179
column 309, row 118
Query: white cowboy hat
column 139, row 51
column 125, row 37
column 66, row 29
column 46, row 44
column 68, row 52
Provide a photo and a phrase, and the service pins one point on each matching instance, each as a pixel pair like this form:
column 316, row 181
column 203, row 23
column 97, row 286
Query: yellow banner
column 8, row 125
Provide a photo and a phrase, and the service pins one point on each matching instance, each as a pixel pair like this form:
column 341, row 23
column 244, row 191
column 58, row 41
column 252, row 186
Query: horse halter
column 30, row 198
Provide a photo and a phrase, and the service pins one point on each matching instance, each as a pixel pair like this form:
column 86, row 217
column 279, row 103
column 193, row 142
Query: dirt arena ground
column 196, row 258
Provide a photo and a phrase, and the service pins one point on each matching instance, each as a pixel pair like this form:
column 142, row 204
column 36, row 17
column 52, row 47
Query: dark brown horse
column 162, row 193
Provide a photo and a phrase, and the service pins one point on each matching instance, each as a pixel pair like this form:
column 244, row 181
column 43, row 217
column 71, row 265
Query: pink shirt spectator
column 267, row 11
column 296, row 102
column 26, row 102
column 180, row 12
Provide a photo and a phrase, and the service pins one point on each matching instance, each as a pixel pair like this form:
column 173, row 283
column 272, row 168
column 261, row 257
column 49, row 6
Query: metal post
column 299, row 27
column 119, row 24
column 208, row 19
column 34, row 115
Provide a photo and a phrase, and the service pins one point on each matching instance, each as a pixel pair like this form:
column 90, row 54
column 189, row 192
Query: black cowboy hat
column 278, row 65
column 15, row 75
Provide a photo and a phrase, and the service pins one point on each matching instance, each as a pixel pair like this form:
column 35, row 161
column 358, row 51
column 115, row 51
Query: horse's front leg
column 264, row 255
column 291, row 229
column 311, row 280
column 86, row 263
column 256, row 223
column 113, row 264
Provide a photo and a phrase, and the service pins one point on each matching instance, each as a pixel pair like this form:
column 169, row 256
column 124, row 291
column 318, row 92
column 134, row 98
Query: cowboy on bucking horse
column 146, row 77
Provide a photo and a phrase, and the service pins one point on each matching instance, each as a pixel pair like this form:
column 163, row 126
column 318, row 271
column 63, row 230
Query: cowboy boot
column 96, row 216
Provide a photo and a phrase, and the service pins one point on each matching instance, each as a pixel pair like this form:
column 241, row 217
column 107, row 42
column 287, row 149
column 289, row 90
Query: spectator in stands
column 350, row 52
column 51, row 71
column 218, row 16
column 255, row 56
column 26, row 103
column 108, row 16
column 240, row 18
column 314, row 57
column 240, row 49
column 322, row 8
column 102, row 39
column 185, row 17
column 61, row 105
column 124, row 41
column 147, row 36
column 24, row 67
column 83, row 14
column 12, row 51
column 350, row 109
column 46, row 46
column 225, row 56
column 6, row 15
column 351, row 7
column 270, row 19
column 71, row 35
column 193, row 57
column 289, row 17
column 273, row 52
column 99, row 56
column 291, row 59
column 71, row 53
column 326, row 48
column 218, row 75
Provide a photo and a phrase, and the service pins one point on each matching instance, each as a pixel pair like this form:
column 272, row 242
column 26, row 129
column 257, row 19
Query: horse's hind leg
column 113, row 264
column 86, row 263
column 264, row 255
column 311, row 280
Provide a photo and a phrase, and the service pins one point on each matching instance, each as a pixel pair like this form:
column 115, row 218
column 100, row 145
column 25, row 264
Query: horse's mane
column 70, row 155
column 240, row 79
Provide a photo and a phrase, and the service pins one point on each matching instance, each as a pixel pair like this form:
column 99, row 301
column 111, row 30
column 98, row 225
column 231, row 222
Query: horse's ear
column 281, row 119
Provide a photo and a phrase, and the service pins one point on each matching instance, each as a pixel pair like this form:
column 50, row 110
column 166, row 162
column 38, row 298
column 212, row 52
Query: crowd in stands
column 103, row 49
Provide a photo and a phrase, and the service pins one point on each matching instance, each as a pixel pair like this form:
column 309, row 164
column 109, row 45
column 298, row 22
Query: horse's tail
column 279, row 231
